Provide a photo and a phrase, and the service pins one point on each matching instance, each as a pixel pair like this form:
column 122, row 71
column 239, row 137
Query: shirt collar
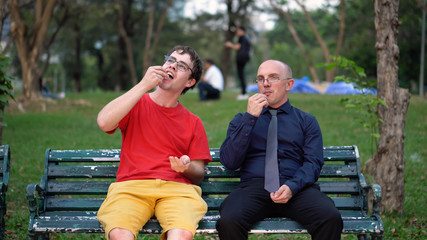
column 283, row 108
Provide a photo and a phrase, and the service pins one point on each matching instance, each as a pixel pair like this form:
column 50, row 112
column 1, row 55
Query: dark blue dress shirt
column 300, row 147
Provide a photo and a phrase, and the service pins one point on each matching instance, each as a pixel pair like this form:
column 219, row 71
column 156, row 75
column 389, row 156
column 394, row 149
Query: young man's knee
column 179, row 234
column 121, row 234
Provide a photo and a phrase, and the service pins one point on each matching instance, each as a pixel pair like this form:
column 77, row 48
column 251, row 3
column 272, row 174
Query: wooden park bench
column 75, row 183
column 4, row 182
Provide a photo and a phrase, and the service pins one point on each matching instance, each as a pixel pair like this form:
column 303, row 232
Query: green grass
column 70, row 123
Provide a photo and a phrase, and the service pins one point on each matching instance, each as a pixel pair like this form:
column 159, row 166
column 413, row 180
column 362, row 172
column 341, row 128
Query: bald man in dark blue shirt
column 299, row 157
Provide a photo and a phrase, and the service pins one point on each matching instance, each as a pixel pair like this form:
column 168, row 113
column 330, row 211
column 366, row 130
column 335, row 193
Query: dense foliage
column 5, row 85
column 88, row 46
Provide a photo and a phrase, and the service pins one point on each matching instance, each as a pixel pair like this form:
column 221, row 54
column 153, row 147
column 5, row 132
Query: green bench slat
column 285, row 225
column 342, row 203
column 331, row 154
column 93, row 204
column 87, row 222
column 336, row 171
column 73, row 204
column 102, row 155
column 339, row 155
column 333, row 187
column 211, row 187
column 212, row 171
column 83, row 171
column 81, row 188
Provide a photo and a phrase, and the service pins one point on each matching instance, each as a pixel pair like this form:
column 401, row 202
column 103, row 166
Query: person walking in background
column 212, row 82
column 243, row 47
column 163, row 154
column 279, row 151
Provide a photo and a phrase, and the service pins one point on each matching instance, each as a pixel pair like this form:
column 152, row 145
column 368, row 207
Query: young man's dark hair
column 197, row 69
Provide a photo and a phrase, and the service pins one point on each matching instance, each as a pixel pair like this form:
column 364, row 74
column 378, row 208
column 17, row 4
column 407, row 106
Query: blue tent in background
column 252, row 88
column 303, row 86
column 342, row 88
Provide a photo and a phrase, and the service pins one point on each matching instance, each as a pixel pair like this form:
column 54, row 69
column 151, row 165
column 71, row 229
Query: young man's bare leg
column 178, row 234
column 121, row 234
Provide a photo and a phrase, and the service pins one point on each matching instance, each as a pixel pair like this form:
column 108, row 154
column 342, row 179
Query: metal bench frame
column 75, row 183
column 4, row 183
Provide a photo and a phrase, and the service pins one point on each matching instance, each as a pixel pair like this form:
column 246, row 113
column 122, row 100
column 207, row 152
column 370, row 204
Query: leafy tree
column 409, row 38
column 29, row 32
column 315, row 30
column 359, row 45
column 5, row 89
column 365, row 105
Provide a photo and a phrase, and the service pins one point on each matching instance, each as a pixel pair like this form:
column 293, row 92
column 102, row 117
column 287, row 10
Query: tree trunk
column 150, row 48
column 229, row 35
column 30, row 46
column 341, row 34
column 326, row 53
column 77, row 58
column 123, row 17
column 2, row 10
column 237, row 14
column 388, row 163
column 145, row 56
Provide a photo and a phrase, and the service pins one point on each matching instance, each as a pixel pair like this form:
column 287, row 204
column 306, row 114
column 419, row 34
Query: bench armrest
column 3, row 187
column 35, row 196
column 376, row 193
column 377, row 196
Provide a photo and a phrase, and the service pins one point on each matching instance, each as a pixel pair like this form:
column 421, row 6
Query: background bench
column 4, row 182
column 75, row 183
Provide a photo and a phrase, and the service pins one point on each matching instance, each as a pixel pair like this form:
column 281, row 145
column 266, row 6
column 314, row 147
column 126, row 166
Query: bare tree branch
column 150, row 47
column 297, row 39
column 326, row 53
column 341, row 34
column 421, row 4
column 145, row 57
column 61, row 23
column 159, row 29
column 128, row 43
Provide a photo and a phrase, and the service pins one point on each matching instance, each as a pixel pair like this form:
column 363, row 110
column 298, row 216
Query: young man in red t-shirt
column 164, row 150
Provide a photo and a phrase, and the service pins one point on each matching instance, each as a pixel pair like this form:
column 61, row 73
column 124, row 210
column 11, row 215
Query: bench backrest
column 77, row 180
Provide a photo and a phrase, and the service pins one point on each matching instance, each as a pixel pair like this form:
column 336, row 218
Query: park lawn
column 70, row 123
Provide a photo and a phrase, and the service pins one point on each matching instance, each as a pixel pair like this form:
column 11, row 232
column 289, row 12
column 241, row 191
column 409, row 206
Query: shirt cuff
column 293, row 186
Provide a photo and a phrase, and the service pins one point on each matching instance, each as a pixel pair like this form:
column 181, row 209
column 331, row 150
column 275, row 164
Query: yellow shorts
column 130, row 204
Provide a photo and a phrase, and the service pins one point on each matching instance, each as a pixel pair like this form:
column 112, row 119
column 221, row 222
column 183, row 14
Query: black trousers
column 241, row 62
column 250, row 203
column 207, row 91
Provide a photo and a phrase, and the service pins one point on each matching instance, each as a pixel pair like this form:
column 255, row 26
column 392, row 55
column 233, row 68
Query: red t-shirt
column 151, row 133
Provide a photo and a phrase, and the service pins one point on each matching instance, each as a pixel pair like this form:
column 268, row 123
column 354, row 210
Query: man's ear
column 190, row 82
column 290, row 84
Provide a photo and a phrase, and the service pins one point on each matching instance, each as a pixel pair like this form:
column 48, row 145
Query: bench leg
column 2, row 227
column 376, row 236
column 362, row 237
column 373, row 236
column 42, row 236
column 31, row 236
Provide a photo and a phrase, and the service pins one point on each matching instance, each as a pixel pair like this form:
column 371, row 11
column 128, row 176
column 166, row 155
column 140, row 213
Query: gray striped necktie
column 271, row 182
